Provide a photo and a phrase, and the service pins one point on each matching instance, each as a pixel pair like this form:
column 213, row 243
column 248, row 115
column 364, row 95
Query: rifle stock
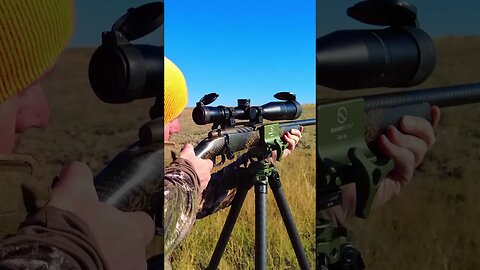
column 234, row 139
column 349, row 125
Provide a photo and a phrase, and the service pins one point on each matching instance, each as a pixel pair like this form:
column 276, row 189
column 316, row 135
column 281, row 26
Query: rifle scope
column 121, row 72
column 400, row 55
column 288, row 109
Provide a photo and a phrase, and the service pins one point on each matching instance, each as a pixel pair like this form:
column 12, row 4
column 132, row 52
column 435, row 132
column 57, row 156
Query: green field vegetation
column 431, row 225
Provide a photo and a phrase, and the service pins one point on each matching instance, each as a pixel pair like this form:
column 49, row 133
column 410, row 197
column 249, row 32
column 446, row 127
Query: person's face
column 171, row 128
column 29, row 108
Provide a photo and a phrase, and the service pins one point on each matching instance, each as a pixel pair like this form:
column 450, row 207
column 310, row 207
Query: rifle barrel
column 303, row 122
column 441, row 97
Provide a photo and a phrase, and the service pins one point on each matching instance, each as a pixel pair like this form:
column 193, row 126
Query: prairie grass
column 297, row 174
column 433, row 224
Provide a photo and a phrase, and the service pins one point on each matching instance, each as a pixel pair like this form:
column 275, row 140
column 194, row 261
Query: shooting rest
column 262, row 172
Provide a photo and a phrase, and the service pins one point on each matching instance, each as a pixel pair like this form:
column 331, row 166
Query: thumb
column 144, row 223
column 187, row 147
column 74, row 184
column 187, row 151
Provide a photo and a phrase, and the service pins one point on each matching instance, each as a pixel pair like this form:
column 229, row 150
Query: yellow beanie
column 176, row 94
column 32, row 36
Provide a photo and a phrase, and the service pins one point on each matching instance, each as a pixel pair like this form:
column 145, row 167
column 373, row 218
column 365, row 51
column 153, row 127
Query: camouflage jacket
column 51, row 239
column 184, row 203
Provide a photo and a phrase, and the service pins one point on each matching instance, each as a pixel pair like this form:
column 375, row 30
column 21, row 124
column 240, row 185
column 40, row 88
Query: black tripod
column 262, row 172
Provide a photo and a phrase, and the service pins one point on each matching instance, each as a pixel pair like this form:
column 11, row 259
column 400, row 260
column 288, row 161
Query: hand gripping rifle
column 260, row 139
column 401, row 55
column 347, row 153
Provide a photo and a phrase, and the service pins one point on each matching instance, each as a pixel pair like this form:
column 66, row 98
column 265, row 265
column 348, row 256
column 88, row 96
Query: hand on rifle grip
column 407, row 146
column 292, row 138
column 120, row 236
column 202, row 167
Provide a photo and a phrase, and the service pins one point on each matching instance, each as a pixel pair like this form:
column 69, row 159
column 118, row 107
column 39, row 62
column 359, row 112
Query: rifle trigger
column 221, row 161
column 228, row 150
column 229, row 153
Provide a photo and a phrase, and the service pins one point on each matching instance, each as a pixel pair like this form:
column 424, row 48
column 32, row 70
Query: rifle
column 401, row 55
column 234, row 137
column 346, row 143
column 260, row 139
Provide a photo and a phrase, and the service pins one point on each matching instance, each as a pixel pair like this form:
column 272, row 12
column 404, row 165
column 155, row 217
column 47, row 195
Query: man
column 190, row 191
column 189, row 196
column 74, row 230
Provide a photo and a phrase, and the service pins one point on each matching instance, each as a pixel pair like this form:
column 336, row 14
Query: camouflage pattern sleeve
column 222, row 187
column 181, row 198
column 51, row 239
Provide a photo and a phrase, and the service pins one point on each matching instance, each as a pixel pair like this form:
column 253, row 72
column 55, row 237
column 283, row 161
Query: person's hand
column 407, row 146
column 202, row 167
column 120, row 236
column 292, row 138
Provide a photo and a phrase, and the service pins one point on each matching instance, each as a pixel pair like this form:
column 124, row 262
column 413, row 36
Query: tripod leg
column 287, row 217
column 228, row 227
column 260, row 225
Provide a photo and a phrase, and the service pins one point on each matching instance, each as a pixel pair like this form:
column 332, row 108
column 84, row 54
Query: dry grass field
column 434, row 222
column 297, row 174
column 432, row 225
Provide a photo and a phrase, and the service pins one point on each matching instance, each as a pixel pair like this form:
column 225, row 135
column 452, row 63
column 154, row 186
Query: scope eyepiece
column 203, row 115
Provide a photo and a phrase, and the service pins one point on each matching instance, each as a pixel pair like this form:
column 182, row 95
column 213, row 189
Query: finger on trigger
column 418, row 127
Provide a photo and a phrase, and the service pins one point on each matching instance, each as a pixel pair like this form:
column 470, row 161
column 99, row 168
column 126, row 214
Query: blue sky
column 243, row 49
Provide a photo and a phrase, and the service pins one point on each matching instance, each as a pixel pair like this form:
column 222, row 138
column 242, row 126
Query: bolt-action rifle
column 229, row 136
column 260, row 140
column 401, row 55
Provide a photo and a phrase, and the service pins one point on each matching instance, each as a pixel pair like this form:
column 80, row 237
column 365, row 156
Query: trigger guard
column 221, row 162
